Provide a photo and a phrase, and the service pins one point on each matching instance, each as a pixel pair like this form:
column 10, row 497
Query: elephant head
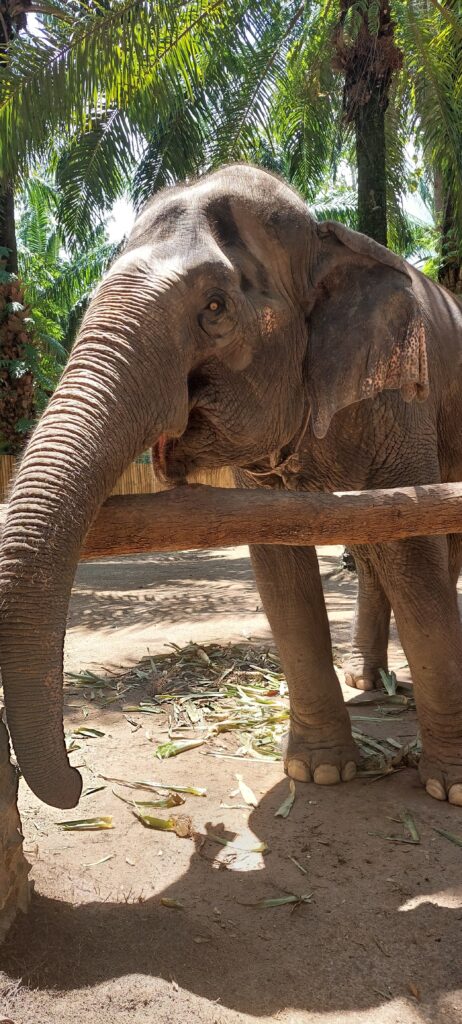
column 229, row 316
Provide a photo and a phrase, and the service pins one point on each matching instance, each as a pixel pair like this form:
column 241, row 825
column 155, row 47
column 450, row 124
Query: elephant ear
column 366, row 328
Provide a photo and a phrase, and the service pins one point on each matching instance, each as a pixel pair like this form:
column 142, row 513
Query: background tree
column 128, row 95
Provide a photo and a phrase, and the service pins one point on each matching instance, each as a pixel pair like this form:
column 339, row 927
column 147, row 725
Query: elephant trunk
column 121, row 389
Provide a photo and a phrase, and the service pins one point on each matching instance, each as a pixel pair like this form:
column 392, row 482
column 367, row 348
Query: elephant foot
column 442, row 781
column 324, row 765
column 362, row 676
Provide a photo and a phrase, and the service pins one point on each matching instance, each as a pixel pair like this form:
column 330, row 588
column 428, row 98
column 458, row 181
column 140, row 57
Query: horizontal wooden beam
column 203, row 517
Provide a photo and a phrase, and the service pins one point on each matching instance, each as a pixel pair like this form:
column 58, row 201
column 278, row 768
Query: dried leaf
column 395, row 839
column 389, row 681
column 202, row 656
column 87, row 824
column 302, row 869
column 246, row 792
column 153, row 786
column 172, row 800
column 280, row 901
column 71, row 745
column 88, row 732
column 103, row 860
column 181, row 826
column 171, row 903
column 92, row 789
column 284, row 810
column 174, row 747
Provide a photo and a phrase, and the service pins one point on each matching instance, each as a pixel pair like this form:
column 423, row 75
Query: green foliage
column 58, row 281
column 143, row 93
column 432, row 36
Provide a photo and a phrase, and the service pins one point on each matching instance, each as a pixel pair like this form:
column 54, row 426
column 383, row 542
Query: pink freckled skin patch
column 268, row 320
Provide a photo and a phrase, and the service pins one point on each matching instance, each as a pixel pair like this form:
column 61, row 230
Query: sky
column 120, row 220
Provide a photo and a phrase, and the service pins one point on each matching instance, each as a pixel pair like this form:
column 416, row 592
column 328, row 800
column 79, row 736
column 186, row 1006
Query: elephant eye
column 216, row 317
column 215, row 305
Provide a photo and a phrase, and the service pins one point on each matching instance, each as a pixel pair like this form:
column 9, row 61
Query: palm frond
column 93, row 171
column 109, row 57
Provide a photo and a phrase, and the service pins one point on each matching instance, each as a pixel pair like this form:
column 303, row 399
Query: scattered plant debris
column 284, row 810
column 87, row 824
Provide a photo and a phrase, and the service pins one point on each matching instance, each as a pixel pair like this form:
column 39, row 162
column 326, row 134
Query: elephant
column 234, row 330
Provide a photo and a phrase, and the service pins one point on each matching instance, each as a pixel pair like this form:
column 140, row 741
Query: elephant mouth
column 168, row 467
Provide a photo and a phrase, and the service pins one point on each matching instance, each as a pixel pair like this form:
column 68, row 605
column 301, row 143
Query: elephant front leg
column 370, row 632
column 420, row 583
column 319, row 746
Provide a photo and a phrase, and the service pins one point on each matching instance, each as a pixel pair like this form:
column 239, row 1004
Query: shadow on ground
column 131, row 592
column 380, row 940
column 374, row 930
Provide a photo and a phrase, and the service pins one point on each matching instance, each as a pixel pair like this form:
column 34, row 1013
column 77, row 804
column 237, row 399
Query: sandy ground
column 378, row 943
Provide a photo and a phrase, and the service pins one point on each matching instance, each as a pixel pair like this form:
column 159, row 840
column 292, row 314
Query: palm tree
column 367, row 56
column 156, row 91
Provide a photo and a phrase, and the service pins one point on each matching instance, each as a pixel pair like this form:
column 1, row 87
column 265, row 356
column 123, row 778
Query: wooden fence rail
column 202, row 517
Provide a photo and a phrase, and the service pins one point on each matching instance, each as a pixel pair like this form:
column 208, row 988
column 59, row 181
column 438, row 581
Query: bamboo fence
column 139, row 478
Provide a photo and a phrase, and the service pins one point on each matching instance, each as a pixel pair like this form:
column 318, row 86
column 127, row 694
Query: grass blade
column 410, row 826
column 103, row 860
column 457, row 840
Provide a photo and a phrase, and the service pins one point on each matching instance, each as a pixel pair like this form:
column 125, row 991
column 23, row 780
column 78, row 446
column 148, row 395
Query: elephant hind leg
column 370, row 630
column 416, row 574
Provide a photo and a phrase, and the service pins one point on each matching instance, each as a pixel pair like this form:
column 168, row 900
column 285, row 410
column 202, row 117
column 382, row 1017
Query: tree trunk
column 371, row 167
column 8, row 228
column 16, row 378
column 367, row 56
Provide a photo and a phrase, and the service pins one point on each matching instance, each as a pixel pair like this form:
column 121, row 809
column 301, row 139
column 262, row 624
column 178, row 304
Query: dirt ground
column 379, row 941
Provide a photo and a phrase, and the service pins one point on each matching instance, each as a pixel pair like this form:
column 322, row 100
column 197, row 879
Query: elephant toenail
column 298, row 770
column 455, row 795
column 435, row 789
column 349, row 771
column 326, row 775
